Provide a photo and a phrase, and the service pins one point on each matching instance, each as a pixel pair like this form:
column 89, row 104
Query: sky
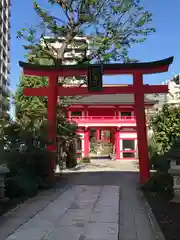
column 165, row 42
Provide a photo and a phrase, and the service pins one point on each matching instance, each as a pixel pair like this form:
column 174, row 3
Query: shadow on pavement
column 114, row 178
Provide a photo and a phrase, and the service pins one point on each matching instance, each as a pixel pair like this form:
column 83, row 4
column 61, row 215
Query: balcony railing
column 102, row 119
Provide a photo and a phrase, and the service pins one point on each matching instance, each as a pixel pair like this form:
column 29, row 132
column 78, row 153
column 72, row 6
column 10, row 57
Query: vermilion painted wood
column 138, row 89
column 117, row 142
column 98, row 134
column 77, row 91
column 52, row 102
column 109, row 69
column 141, row 128
column 105, row 119
column 86, row 143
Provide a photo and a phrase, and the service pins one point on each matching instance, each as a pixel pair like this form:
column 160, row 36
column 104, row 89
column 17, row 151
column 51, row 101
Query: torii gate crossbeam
column 52, row 91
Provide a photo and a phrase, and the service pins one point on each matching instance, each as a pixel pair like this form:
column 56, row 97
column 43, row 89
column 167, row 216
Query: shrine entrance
column 95, row 87
column 100, row 143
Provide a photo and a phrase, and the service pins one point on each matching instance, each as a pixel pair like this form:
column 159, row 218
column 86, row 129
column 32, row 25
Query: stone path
column 94, row 206
column 90, row 211
column 106, row 165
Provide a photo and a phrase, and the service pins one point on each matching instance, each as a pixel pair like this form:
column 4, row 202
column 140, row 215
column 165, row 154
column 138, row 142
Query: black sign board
column 95, row 81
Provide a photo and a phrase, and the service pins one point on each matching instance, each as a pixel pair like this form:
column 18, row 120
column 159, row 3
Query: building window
column 125, row 114
column 128, row 148
column 76, row 114
column 128, row 144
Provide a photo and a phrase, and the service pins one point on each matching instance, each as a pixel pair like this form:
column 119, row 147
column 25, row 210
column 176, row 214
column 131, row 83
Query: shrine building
column 106, row 125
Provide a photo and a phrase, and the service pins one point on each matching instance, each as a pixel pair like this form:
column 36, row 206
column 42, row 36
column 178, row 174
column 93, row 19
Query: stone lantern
column 3, row 171
column 173, row 157
column 175, row 172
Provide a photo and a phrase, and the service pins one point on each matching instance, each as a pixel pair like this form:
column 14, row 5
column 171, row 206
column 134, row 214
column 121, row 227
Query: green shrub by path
column 20, row 185
column 86, row 160
column 165, row 126
column 27, row 158
column 35, row 162
column 160, row 184
column 160, row 163
column 158, row 159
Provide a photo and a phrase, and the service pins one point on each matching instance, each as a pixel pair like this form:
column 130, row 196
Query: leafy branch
column 114, row 26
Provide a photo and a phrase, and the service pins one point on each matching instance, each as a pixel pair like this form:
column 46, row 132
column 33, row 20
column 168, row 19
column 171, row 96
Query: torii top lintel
column 108, row 69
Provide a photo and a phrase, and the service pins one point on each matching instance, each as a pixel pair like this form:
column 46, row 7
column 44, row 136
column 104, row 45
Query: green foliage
column 86, row 160
column 30, row 105
column 166, row 127
column 20, row 185
column 153, row 147
column 24, row 152
column 33, row 110
column 93, row 148
column 157, row 157
column 160, row 184
column 113, row 25
column 160, row 163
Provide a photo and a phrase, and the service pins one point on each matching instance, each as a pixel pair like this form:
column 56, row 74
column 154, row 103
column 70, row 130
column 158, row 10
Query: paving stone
column 102, row 231
column 99, row 238
column 65, row 233
column 27, row 234
column 90, row 211
column 105, row 217
column 73, row 218
column 101, row 208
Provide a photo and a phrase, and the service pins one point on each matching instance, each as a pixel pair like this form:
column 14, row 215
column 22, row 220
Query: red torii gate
column 52, row 91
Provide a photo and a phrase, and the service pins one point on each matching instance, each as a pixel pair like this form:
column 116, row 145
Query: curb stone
column 154, row 224
column 119, row 218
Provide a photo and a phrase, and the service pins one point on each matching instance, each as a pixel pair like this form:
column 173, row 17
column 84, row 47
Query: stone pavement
column 94, row 206
column 106, row 165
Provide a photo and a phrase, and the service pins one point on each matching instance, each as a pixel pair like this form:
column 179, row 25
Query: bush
column 160, row 163
column 86, row 160
column 35, row 163
column 23, row 150
column 160, row 184
column 20, row 185
column 158, row 158
column 29, row 168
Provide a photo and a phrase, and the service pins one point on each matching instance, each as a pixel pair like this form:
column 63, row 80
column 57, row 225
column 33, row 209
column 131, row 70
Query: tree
column 30, row 105
column 111, row 37
column 166, row 127
column 114, row 26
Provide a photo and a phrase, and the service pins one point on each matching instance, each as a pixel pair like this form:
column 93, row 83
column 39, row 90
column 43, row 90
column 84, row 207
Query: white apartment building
column 4, row 55
column 171, row 98
column 74, row 51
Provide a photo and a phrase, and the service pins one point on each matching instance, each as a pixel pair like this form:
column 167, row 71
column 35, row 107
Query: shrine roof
column 109, row 99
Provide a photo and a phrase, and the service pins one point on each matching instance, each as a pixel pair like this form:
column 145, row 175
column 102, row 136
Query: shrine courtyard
column 87, row 205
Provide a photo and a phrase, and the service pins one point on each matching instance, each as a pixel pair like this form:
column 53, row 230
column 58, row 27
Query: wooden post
column 52, row 105
column 117, row 136
column 86, row 143
column 141, row 128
